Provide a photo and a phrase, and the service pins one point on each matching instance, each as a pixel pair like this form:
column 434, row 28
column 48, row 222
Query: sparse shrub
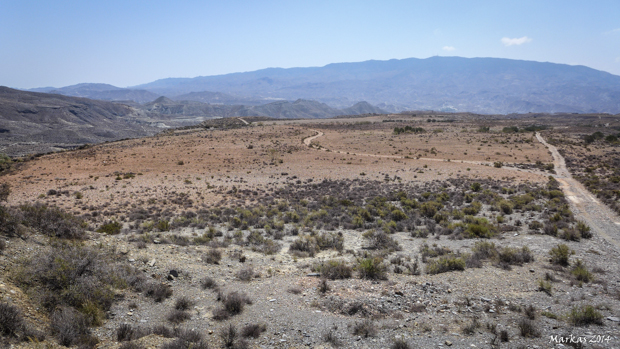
column 505, row 206
column 515, row 256
column 232, row 304
column 178, row 316
column 445, row 264
column 124, row 332
column 70, row 327
column 323, row 286
column 334, row 269
column 183, row 303
column 560, row 255
column 130, row 345
column 378, row 240
column 245, row 273
column 584, row 230
column 544, row 286
column 304, row 246
column 110, row 228
column 365, row 328
column 400, row 344
column 580, row 272
column 471, row 328
column 331, row 337
column 372, row 268
column 213, row 256
column 530, row 312
column 10, row 319
column 163, row 330
column 585, row 315
column 228, row 334
column 527, row 328
column 76, row 276
column 208, row 282
column 158, row 291
column 162, row 225
column 253, row 330
column 52, row 221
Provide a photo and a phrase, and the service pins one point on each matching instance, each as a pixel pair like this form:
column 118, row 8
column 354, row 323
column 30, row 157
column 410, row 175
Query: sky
column 130, row 42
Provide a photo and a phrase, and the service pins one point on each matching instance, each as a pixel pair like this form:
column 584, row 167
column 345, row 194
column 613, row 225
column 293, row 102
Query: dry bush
column 11, row 320
column 183, row 303
column 213, row 256
column 228, row 335
column 52, row 221
column 365, row 328
column 253, row 330
column 528, row 328
column 76, row 276
column 232, row 304
column 208, row 282
column 379, row 240
column 334, row 269
column 158, row 291
column 71, row 328
column 246, row 273
column 178, row 316
column 162, row 330
column 400, row 344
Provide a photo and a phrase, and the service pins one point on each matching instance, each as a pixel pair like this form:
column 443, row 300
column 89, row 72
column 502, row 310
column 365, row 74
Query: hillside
column 39, row 122
column 280, row 109
column 482, row 85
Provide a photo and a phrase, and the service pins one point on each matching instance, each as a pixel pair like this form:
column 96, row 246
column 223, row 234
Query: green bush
column 334, row 269
column 560, row 255
column 580, row 272
column 430, row 208
column 585, row 315
column 505, row 206
column 445, row 264
column 372, row 268
column 110, row 228
column 515, row 256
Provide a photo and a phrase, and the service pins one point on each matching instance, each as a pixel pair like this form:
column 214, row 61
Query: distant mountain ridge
column 34, row 122
column 104, row 92
column 482, row 85
column 280, row 109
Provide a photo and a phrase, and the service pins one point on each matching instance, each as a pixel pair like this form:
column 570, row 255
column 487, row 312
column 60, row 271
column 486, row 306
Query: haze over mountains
column 481, row 85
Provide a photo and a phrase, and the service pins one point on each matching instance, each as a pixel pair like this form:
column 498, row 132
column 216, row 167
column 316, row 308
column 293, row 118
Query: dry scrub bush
column 585, row 315
column 52, row 221
column 445, row 264
column 334, row 269
column 253, row 330
column 11, row 320
column 365, row 328
column 76, row 276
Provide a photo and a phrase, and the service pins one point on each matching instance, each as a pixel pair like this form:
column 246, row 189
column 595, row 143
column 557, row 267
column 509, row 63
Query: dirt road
column 602, row 220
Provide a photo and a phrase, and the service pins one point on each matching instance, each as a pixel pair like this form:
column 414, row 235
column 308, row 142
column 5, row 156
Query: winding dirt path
column 245, row 122
column 602, row 220
column 309, row 140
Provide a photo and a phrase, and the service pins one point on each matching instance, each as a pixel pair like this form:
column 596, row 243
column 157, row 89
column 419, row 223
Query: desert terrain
column 382, row 231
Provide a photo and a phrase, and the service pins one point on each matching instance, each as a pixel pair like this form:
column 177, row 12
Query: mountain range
column 481, row 85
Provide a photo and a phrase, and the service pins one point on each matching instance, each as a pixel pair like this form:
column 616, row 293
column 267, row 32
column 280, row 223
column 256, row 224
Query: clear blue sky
column 124, row 43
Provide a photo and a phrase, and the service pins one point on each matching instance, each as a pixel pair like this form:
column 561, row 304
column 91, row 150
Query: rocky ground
column 502, row 297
